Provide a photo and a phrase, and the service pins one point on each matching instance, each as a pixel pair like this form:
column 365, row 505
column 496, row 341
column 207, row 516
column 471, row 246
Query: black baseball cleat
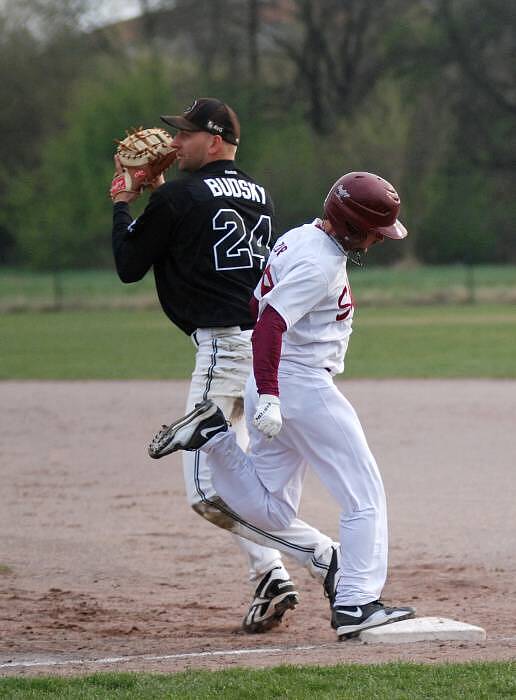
column 189, row 432
column 350, row 620
column 274, row 595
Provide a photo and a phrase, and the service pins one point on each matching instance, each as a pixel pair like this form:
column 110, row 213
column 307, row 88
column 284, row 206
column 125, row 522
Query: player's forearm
column 128, row 265
column 139, row 244
column 266, row 340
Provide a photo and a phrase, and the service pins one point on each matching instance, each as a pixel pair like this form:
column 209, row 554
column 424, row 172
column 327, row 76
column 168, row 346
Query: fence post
column 57, row 290
column 470, row 283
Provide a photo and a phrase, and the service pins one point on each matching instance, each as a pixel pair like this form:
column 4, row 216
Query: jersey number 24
column 237, row 247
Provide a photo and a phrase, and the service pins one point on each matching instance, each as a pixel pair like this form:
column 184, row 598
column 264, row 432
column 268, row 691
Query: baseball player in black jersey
column 207, row 237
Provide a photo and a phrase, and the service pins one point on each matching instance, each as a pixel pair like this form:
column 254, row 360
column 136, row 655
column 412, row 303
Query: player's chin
column 186, row 165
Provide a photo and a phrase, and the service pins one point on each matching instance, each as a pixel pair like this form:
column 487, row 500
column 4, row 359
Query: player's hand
column 124, row 186
column 157, row 182
column 267, row 417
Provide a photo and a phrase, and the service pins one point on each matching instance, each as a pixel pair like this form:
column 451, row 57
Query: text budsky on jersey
column 233, row 187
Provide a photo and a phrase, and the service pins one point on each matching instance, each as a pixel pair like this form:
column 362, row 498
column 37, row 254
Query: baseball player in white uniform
column 295, row 414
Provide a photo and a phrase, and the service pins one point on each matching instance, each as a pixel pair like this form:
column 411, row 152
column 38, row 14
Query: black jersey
column 207, row 236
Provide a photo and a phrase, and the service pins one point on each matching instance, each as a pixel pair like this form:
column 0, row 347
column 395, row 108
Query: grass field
column 482, row 681
column 468, row 340
column 379, row 285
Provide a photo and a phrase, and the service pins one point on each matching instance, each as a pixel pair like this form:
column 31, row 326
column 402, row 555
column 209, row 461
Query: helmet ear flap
column 350, row 235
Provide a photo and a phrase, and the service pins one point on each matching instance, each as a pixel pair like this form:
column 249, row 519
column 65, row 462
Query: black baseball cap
column 211, row 115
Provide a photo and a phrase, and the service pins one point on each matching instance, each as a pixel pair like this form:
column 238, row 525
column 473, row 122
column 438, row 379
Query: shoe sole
column 173, row 429
column 289, row 602
column 344, row 633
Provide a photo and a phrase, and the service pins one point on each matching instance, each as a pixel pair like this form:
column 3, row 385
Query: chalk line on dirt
column 166, row 657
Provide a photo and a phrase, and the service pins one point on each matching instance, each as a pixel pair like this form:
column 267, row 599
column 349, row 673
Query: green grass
column 433, row 341
column 21, row 289
column 110, row 344
column 469, row 340
column 429, row 284
column 404, row 681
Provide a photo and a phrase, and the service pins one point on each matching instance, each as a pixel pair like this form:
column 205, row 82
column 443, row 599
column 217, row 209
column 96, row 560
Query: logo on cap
column 342, row 192
column 215, row 127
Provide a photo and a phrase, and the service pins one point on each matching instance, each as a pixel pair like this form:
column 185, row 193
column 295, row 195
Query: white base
column 423, row 629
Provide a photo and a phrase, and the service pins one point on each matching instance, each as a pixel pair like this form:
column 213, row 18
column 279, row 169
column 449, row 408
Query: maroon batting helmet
column 361, row 203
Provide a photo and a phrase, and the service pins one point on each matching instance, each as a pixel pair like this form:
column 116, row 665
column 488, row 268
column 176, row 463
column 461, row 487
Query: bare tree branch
column 471, row 63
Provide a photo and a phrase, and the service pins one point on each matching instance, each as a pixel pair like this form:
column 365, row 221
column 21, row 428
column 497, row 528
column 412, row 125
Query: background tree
column 339, row 50
column 44, row 52
column 421, row 92
column 469, row 210
column 60, row 210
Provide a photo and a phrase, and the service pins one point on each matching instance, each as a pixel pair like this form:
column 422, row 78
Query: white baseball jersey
column 306, row 282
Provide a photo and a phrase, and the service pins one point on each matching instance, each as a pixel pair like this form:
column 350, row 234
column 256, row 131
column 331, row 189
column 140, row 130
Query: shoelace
column 161, row 434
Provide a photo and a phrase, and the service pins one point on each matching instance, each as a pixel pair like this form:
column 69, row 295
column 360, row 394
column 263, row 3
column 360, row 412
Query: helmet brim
column 396, row 230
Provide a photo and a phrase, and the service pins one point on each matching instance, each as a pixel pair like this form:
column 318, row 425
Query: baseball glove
column 141, row 158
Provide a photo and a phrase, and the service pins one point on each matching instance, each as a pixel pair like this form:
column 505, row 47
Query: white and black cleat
column 350, row 620
column 274, row 595
column 189, row 432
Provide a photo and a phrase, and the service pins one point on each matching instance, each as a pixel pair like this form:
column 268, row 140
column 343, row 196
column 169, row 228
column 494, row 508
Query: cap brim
column 396, row 231
column 179, row 122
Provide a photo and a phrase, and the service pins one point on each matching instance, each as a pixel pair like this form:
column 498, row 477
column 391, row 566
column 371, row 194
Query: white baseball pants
column 320, row 428
column 222, row 366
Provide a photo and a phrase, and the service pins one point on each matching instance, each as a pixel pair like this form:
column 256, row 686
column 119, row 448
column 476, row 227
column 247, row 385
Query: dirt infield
column 100, row 555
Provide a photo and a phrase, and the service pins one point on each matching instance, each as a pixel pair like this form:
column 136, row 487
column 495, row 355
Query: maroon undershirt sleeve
column 253, row 307
column 266, row 341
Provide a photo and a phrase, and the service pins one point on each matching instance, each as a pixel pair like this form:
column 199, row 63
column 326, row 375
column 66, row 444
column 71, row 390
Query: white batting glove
column 267, row 417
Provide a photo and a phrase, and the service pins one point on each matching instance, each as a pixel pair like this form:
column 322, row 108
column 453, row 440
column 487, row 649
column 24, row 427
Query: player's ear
column 216, row 145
